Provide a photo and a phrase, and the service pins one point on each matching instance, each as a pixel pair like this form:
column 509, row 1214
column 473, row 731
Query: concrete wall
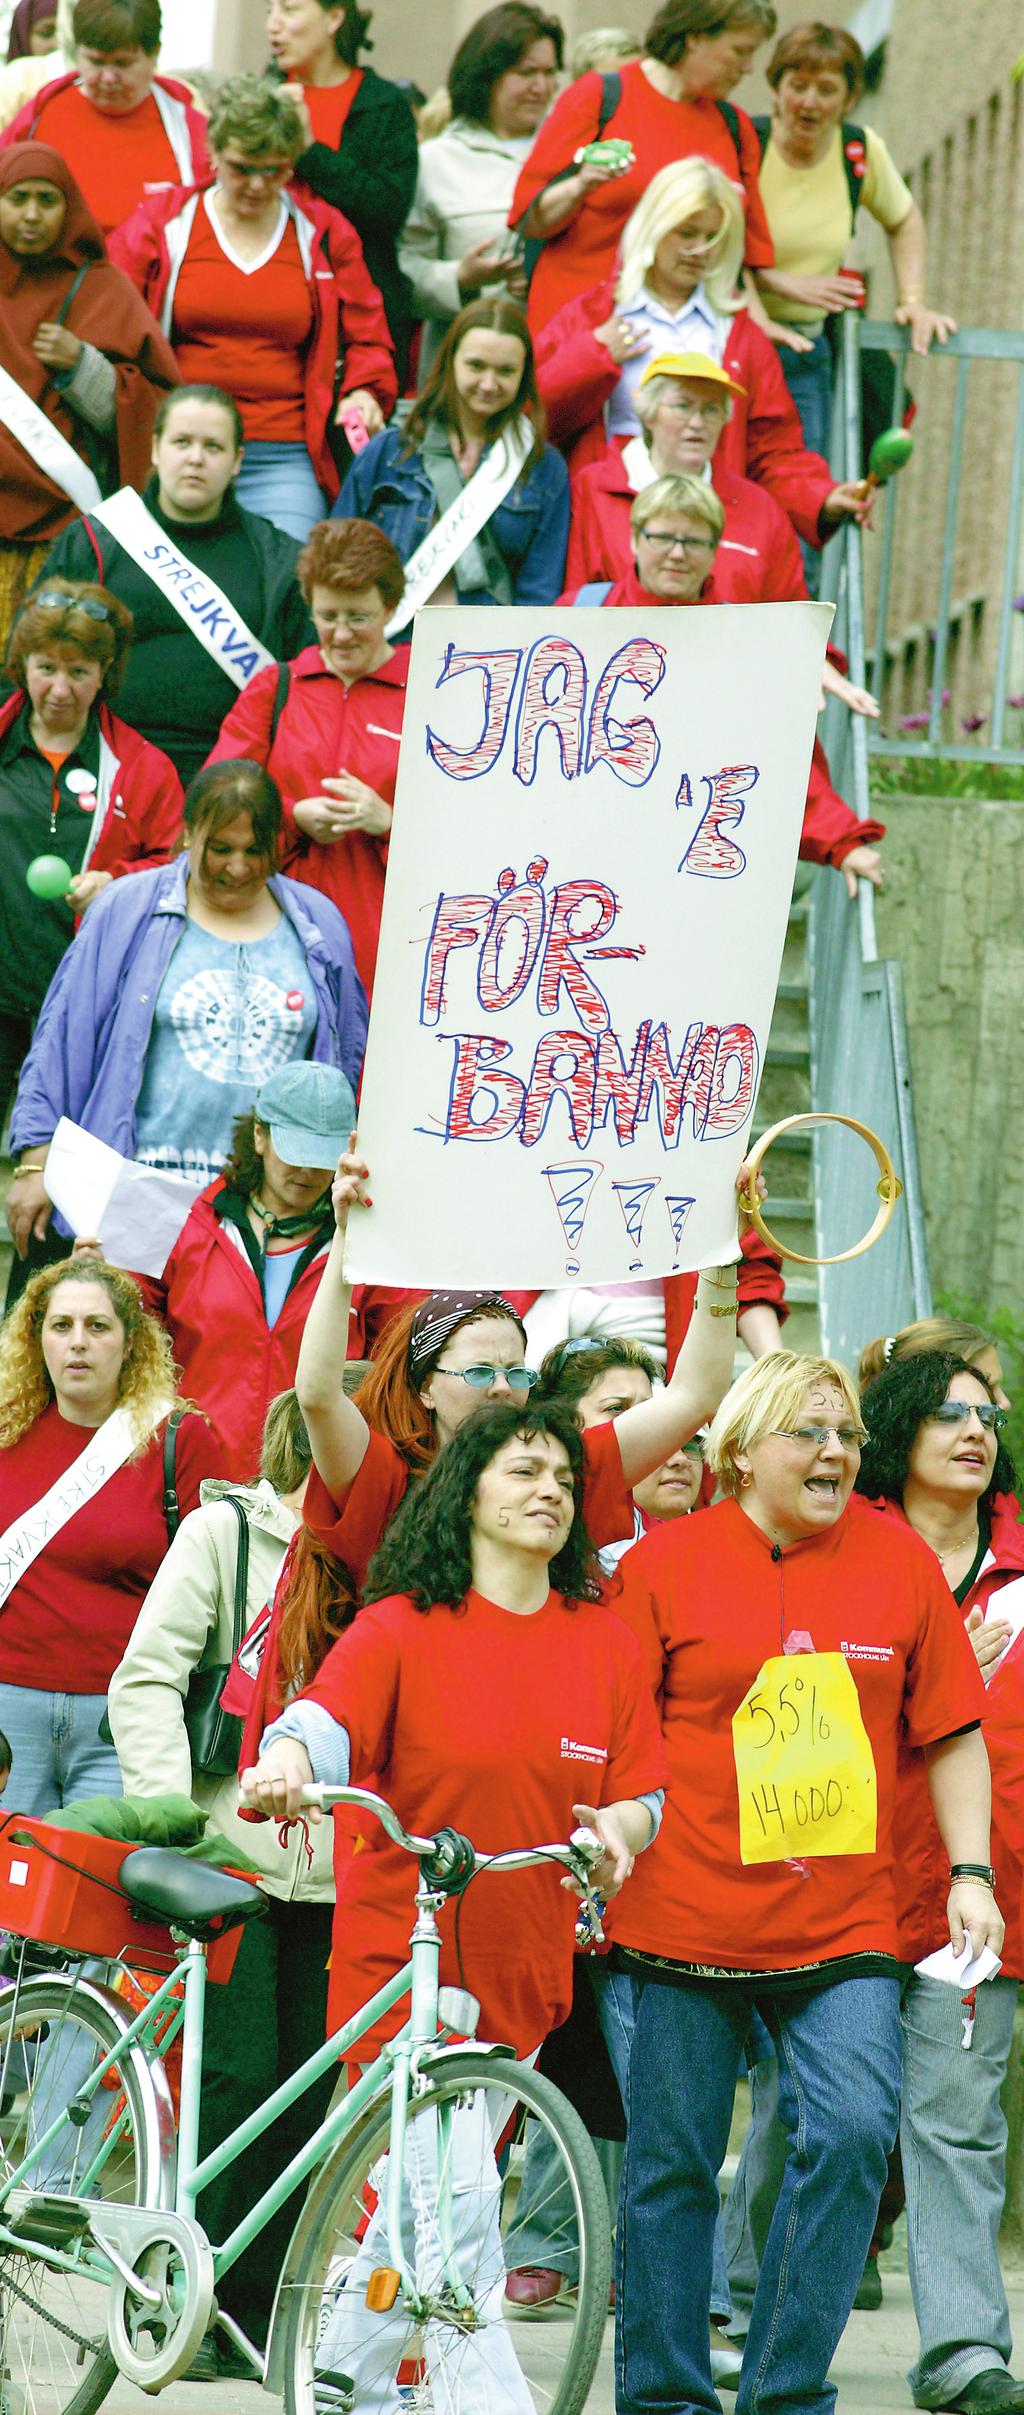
column 951, row 910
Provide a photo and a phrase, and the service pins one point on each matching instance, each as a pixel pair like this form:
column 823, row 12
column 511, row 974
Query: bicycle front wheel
column 111, row 2146
column 451, row 2350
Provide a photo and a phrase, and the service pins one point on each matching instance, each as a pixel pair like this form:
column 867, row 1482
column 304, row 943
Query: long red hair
column 320, row 1600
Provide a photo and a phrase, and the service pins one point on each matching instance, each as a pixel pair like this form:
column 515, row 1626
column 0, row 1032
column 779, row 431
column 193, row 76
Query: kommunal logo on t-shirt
column 573, row 1750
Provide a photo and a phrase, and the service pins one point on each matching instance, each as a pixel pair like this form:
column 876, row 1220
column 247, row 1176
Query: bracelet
column 914, row 293
column 729, row 1310
column 982, row 1871
column 706, row 1274
column 27, row 1166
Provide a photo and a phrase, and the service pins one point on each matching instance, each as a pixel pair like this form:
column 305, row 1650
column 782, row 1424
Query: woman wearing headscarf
column 33, row 30
column 82, row 366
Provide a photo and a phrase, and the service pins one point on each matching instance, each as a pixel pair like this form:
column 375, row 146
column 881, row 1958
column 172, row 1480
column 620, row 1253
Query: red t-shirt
column 246, row 329
column 68, row 1620
column 329, row 105
column 352, row 1528
column 710, row 1603
column 115, row 160
column 494, row 1723
column 661, row 132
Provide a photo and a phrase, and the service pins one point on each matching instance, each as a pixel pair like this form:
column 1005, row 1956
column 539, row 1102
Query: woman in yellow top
column 816, row 73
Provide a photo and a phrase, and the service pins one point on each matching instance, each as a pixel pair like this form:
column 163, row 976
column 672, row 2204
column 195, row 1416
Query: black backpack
column 611, row 94
column 855, row 153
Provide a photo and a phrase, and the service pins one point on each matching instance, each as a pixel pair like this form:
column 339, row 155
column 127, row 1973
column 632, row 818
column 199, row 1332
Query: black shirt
column 39, row 815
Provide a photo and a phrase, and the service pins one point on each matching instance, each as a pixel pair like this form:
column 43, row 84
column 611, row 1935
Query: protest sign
column 596, row 826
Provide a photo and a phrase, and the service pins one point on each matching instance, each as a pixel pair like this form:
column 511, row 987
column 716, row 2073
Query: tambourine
column 889, row 1187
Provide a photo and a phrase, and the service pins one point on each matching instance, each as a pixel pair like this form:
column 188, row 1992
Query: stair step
column 787, row 1048
column 798, row 1142
column 789, row 1207
column 793, row 990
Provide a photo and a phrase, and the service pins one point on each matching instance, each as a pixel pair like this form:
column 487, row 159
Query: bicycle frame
column 396, row 2067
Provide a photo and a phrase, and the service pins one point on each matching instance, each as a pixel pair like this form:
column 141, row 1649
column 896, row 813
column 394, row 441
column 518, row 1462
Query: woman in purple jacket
column 185, row 988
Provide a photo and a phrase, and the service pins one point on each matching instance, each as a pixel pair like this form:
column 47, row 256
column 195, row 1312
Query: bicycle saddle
column 190, row 1895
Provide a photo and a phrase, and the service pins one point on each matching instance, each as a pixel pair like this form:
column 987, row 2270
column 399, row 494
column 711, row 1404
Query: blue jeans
column 57, row 1753
column 953, row 2137
column 839, row 2087
column 809, row 378
column 279, row 482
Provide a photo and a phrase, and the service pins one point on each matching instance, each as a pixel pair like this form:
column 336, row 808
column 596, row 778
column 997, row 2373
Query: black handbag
column 215, row 1735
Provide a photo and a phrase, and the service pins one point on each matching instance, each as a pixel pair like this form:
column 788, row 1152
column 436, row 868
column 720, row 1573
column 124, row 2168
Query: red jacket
column 232, row 1362
column 138, row 812
column 762, row 438
column 184, row 124
column 830, row 831
column 921, row 1857
column 758, row 558
column 325, row 727
column 349, row 325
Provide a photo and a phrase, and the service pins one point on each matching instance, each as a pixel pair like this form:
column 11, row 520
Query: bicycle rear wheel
column 455, row 2353
column 112, row 2147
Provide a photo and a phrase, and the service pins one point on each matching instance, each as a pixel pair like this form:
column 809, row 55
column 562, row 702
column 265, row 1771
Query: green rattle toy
column 48, row 876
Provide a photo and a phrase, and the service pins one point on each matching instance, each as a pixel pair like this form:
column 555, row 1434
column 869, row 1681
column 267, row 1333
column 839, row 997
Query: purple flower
column 913, row 721
column 974, row 721
column 1018, row 603
column 1016, row 703
column 944, row 698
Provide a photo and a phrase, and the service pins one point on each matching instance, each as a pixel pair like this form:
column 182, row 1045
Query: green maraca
column 49, row 876
column 890, row 452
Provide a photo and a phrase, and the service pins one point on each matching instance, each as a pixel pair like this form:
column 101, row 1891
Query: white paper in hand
column 135, row 1211
column 964, row 1970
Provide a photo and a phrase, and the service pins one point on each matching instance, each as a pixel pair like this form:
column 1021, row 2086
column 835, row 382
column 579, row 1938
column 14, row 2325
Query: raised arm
column 338, row 1433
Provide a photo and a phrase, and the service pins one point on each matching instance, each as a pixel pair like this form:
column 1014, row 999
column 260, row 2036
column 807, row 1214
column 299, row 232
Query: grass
column 938, row 776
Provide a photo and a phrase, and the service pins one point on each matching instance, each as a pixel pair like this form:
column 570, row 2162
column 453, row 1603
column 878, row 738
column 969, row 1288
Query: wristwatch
column 982, row 1870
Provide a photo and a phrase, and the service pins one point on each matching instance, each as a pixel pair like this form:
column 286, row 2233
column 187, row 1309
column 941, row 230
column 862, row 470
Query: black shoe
column 204, row 2365
column 232, row 2363
column 993, row 2393
column 869, row 2288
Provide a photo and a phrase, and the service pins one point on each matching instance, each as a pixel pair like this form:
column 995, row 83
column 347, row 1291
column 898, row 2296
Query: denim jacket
column 531, row 526
column 88, row 1051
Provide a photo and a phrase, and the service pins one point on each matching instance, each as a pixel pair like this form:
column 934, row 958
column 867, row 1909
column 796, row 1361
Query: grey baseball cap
column 311, row 1112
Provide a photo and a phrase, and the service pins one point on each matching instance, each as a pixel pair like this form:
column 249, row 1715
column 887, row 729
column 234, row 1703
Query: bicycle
column 396, row 2254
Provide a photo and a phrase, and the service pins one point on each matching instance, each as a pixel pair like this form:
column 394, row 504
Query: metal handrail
column 860, row 1055
column 954, row 358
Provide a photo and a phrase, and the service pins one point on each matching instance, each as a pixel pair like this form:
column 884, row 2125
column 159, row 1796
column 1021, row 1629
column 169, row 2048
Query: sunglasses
column 957, row 1412
column 52, row 602
column 480, row 1379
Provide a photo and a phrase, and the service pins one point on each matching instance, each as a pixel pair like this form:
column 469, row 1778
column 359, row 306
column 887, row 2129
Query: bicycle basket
column 60, row 1887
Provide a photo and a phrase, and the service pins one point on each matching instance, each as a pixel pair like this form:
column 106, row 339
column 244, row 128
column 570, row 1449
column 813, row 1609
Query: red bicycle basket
column 60, row 1887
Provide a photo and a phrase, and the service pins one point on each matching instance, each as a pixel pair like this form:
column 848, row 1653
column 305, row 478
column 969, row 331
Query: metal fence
column 957, row 360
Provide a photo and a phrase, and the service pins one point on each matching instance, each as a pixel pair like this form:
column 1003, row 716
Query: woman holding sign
column 82, row 365
column 86, row 1383
column 935, row 1460
column 474, row 499
column 793, row 1638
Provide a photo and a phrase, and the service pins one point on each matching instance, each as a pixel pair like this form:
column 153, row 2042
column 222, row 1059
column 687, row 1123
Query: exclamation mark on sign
column 572, row 1190
column 678, row 1211
column 634, row 1198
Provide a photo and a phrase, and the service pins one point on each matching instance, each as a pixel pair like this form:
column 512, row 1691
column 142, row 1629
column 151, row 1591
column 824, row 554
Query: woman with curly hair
column 483, row 1652
column 87, row 1383
column 935, row 1460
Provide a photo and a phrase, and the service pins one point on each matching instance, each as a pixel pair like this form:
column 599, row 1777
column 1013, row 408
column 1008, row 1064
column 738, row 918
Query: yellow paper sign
column 805, row 1770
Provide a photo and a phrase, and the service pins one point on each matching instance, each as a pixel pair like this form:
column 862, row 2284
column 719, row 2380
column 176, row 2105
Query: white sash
column 45, row 445
column 208, row 614
column 106, row 1451
column 463, row 520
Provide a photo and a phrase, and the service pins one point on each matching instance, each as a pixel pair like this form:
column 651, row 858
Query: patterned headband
column 438, row 1315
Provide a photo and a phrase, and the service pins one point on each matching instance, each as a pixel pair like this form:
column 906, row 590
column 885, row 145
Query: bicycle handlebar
column 582, row 1852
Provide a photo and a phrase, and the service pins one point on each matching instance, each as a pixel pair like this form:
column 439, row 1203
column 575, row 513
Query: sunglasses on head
column 52, row 602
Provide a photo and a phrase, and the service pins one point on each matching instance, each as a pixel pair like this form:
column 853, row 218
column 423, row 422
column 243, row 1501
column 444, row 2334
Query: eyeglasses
column 957, row 1412
column 706, row 412
column 694, row 1448
column 480, row 1379
column 665, row 542
column 52, row 602
column 814, row 1438
column 270, row 169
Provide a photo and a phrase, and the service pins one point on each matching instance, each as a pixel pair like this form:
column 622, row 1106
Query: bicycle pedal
column 48, row 2220
column 382, row 2289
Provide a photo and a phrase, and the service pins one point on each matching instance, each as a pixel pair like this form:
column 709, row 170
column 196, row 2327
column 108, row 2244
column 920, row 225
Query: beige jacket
column 186, row 1623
